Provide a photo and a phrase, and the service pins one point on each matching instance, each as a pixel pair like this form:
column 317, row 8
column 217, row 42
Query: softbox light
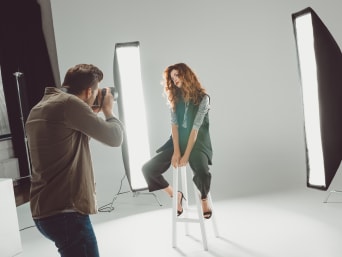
column 127, row 79
column 320, row 69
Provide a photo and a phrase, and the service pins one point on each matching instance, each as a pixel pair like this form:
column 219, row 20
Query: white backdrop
column 244, row 54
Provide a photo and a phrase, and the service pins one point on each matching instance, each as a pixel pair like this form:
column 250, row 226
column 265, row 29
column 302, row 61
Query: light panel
column 127, row 77
column 308, row 71
column 320, row 65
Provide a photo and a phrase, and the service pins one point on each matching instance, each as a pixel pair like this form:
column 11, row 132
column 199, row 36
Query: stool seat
column 184, row 217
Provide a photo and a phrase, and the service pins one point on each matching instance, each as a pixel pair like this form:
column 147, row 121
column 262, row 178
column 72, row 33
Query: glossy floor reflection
column 285, row 224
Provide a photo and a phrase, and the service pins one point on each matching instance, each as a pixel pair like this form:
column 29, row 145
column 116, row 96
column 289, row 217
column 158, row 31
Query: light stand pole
column 17, row 76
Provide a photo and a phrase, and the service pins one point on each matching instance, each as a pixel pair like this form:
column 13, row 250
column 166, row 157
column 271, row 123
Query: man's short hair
column 81, row 77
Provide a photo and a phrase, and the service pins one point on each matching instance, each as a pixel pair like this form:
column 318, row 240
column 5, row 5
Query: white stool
column 184, row 217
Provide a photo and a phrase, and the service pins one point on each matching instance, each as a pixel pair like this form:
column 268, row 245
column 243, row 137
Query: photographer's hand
column 107, row 106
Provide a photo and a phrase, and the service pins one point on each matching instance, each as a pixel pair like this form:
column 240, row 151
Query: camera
column 101, row 95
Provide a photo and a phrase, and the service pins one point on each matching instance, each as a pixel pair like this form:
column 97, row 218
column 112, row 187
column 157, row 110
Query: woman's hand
column 183, row 161
column 175, row 159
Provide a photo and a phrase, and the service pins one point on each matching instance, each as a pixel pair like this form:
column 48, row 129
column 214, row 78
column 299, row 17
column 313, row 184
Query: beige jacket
column 58, row 130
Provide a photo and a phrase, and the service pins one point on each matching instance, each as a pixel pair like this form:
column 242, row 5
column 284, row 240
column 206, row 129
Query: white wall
column 244, row 54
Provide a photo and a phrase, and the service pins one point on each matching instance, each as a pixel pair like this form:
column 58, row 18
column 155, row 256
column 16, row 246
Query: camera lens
column 103, row 92
column 114, row 92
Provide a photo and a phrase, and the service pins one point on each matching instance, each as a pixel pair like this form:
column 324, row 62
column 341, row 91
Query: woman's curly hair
column 191, row 90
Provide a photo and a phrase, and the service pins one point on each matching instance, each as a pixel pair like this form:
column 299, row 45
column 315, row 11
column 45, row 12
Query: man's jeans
column 72, row 233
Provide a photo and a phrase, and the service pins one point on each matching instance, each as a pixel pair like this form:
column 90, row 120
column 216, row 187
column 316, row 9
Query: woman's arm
column 176, row 150
column 202, row 111
column 191, row 142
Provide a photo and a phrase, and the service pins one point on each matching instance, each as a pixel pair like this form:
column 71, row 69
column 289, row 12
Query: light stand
column 332, row 192
column 109, row 207
column 17, row 76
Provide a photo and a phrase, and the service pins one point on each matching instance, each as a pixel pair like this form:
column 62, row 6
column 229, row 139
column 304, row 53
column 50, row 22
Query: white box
column 10, row 241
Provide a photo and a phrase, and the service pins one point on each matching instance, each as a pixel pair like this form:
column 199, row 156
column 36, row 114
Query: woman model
column 190, row 139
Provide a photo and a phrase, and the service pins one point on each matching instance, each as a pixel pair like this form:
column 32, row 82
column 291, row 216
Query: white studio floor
column 286, row 224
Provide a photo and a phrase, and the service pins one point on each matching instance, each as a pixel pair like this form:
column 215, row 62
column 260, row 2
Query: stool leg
column 186, row 195
column 201, row 218
column 174, row 207
column 213, row 216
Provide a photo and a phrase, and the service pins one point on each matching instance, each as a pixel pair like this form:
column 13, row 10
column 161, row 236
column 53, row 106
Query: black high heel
column 181, row 202
column 207, row 215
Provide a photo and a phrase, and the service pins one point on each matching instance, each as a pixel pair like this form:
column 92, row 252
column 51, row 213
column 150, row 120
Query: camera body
column 101, row 95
